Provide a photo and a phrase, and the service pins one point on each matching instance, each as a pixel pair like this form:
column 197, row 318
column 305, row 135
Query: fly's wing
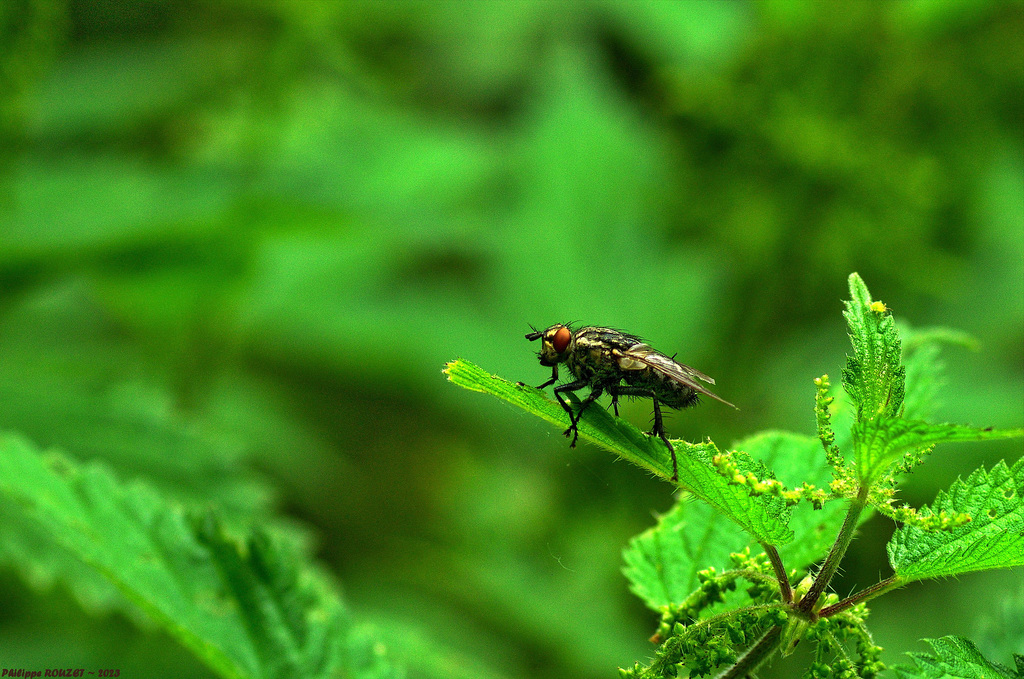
column 641, row 356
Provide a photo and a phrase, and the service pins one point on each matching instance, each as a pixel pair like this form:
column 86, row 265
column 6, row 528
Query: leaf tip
column 447, row 369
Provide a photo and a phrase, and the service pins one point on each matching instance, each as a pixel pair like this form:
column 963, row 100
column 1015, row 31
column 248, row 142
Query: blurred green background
column 238, row 241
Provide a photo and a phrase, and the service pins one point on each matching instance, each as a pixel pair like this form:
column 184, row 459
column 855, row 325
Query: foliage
column 990, row 540
column 237, row 240
column 251, row 607
column 977, row 524
column 956, row 658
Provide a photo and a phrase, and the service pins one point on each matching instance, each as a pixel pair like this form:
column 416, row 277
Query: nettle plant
column 743, row 574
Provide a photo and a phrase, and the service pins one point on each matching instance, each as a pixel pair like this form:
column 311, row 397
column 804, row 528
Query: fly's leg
column 574, row 419
column 572, row 386
column 554, row 378
column 615, row 401
column 659, row 427
column 659, row 430
column 594, row 394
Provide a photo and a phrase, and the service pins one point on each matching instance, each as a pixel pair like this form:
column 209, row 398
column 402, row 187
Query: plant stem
column 780, row 572
column 755, row 655
column 863, row 595
column 835, row 557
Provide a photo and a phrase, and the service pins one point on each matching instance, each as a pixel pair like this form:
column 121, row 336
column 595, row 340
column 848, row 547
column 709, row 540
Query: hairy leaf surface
column 874, row 376
column 880, row 442
column 956, row 658
column 994, row 538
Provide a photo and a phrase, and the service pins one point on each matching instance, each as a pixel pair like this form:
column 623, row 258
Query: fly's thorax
column 583, row 359
column 593, row 354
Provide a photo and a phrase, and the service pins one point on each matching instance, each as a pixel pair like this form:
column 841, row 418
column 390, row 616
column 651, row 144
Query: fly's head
column 554, row 345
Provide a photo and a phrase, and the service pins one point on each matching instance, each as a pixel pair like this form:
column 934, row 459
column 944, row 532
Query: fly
column 623, row 365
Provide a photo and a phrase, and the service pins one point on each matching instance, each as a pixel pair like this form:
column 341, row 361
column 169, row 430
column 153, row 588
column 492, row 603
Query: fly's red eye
column 561, row 339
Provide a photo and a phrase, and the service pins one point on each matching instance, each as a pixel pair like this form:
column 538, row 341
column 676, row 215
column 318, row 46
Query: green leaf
column 797, row 459
column 764, row 518
column 953, row 658
column 874, row 376
column 880, row 442
column 662, row 562
column 993, row 539
column 249, row 609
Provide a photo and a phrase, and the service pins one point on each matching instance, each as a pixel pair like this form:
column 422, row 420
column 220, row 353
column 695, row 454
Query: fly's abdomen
column 665, row 389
